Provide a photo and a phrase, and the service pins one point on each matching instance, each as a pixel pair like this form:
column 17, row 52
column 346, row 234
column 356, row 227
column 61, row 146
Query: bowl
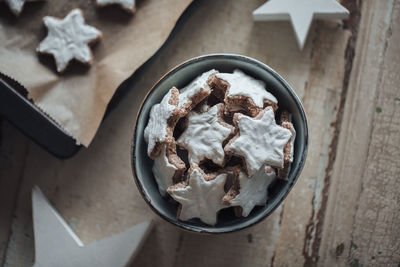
column 180, row 76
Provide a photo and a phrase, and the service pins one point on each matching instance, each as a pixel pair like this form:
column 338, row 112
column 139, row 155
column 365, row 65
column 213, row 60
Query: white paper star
column 16, row 6
column 68, row 39
column 260, row 141
column 204, row 135
column 57, row 245
column 200, row 198
column 300, row 13
column 253, row 191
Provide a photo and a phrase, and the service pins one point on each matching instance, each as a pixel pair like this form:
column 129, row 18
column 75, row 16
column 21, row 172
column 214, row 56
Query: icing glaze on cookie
column 200, row 198
column 156, row 129
column 68, row 39
column 163, row 171
column 15, row 6
column 244, row 85
column 190, row 91
column 204, row 135
column 126, row 4
column 260, row 141
column 253, row 191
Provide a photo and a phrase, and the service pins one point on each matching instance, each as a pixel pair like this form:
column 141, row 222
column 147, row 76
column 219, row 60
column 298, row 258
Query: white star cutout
column 15, row 6
column 253, row 191
column 57, row 245
column 200, row 198
column 204, row 136
column 300, row 13
column 68, row 39
column 261, row 141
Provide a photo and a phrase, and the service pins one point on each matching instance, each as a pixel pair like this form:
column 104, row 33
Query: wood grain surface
column 344, row 209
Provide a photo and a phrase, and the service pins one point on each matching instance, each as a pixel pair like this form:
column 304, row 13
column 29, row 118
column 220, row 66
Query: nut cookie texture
column 68, row 39
column 128, row 5
column 199, row 198
column 163, row 117
column 260, row 141
column 205, row 134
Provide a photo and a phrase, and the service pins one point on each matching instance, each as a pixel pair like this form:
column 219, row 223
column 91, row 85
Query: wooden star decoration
column 300, row 13
column 57, row 245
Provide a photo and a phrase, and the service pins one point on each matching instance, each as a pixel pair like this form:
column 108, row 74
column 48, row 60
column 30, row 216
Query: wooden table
column 345, row 208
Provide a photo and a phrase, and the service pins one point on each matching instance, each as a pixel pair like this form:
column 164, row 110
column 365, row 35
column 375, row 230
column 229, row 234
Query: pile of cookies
column 69, row 38
column 216, row 144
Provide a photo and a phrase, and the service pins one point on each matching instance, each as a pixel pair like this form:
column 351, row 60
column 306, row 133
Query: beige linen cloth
column 78, row 98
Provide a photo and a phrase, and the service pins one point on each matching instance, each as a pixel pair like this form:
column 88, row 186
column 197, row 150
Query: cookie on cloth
column 200, row 196
column 248, row 192
column 286, row 122
column 260, row 141
column 168, row 168
column 205, row 134
column 68, row 39
column 128, row 5
column 243, row 92
column 195, row 92
column 163, row 117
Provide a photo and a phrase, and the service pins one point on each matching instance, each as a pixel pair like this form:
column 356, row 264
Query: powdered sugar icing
column 156, row 129
column 261, row 141
column 163, row 171
column 198, row 84
column 68, row 39
column 244, row 85
column 204, row 136
column 253, row 191
column 200, row 199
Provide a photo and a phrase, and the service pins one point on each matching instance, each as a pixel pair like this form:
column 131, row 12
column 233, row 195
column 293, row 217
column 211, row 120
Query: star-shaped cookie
column 205, row 134
column 195, row 92
column 128, row 5
column 68, row 39
column 16, row 6
column 260, row 141
column 246, row 92
column 200, row 198
column 167, row 168
column 163, row 117
column 253, row 191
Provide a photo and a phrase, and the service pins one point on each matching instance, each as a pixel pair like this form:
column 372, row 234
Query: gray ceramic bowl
column 179, row 77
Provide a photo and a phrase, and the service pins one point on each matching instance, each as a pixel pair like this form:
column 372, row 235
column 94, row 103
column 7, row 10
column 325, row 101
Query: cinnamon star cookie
column 68, row 39
column 260, row 141
column 248, row 192
column 205, row 134
column 163, row 117
column 243, row 92
column 201, row 197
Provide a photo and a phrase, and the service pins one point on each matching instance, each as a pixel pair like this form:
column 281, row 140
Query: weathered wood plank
column 321, row 100
column 362, row 223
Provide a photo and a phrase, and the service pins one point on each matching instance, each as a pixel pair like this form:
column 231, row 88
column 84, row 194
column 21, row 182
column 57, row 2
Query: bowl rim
column 299, row 167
